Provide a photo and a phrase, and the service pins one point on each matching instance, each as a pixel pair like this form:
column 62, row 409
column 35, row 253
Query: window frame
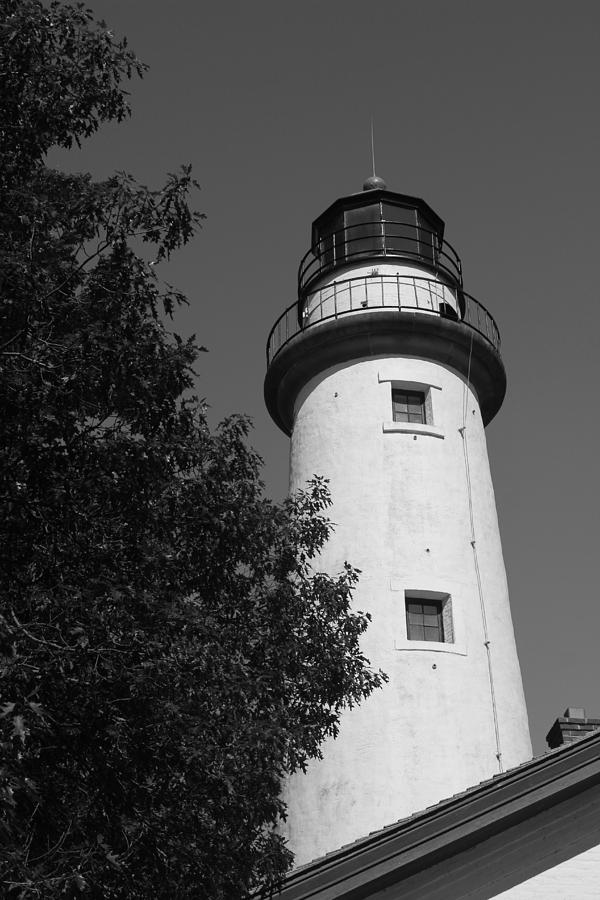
column 423, row 619
column 426, row 427
column 455, row 635
column 412, row 399
column 388, row 425
column 443, row 600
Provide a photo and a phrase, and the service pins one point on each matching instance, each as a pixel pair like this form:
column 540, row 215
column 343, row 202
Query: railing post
column 334, row 300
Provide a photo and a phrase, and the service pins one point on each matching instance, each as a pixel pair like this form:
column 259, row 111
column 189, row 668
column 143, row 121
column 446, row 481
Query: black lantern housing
column 374, row 224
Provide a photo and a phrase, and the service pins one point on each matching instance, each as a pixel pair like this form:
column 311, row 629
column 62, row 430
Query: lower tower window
column 429, row 618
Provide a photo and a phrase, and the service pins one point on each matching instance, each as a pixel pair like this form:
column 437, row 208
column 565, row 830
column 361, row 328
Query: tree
column 167, row 652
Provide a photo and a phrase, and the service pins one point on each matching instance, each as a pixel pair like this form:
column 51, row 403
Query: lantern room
column 377, row 224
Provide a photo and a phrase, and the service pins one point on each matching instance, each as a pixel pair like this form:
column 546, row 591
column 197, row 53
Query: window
column 330, row 241
column 429, row 617
column 400, row 230
column 424, row 620
column 363, row 233
column 447, row 311
column 408, row 406
column 428, row 239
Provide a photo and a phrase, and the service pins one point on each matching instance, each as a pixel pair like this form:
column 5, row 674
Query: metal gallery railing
column 374, row 240
column 384, row 292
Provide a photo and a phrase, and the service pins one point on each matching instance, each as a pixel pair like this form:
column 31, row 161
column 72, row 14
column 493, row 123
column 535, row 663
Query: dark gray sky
column 489, row 111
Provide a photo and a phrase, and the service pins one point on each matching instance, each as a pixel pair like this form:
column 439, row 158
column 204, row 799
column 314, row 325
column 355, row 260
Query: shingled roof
column 477, row 843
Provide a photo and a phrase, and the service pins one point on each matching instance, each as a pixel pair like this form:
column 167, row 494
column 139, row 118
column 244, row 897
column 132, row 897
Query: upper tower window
column 408, row 406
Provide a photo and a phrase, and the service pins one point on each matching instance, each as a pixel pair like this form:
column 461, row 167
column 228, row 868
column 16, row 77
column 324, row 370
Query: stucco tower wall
column 407, row 514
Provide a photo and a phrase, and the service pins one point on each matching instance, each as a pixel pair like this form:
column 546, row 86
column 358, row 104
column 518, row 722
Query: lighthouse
column 384, row 373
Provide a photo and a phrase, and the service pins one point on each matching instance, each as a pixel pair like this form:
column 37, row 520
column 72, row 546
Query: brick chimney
column 570, row 727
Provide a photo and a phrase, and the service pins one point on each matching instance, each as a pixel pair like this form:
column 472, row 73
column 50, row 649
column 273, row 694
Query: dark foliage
column 166, row 651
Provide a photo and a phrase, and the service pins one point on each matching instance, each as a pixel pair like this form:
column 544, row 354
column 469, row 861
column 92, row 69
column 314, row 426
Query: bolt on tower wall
column 385, row 373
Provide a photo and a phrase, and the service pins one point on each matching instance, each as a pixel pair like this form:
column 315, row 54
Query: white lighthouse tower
column 385, row 373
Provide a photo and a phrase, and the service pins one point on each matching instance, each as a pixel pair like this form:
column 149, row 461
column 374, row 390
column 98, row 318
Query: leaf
column 19, row 729
column 80, row 882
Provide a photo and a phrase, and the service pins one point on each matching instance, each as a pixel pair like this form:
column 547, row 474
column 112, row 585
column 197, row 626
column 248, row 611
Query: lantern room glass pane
column 401, row 239
column 401, row 215
column 426, row 245
column 325, row 249
column 400, row 230
column 428, row 239
column 328, row 240
column 363, row 230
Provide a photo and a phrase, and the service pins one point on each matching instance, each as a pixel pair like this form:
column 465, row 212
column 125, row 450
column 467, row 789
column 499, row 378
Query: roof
column 474, row 845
